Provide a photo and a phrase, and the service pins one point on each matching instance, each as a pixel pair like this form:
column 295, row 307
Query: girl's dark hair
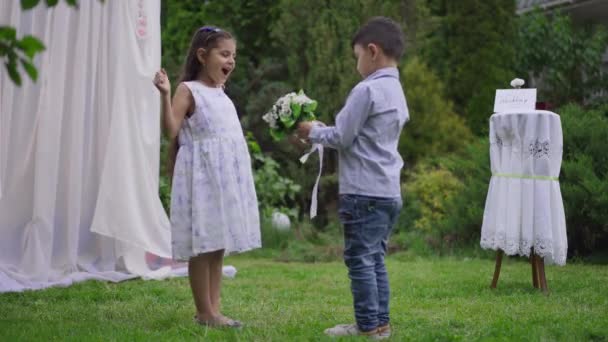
column 206, row 37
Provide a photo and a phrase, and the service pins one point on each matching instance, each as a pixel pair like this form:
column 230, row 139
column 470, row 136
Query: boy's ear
column 200, row 55
column 374, row 50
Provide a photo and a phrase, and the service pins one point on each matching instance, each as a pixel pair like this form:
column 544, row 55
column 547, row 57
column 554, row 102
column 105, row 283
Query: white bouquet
column 287, row 112
column 283, row 119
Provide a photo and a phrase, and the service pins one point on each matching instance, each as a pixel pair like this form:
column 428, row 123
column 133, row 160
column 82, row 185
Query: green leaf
column 288, row 121
column 29, row 4
column 310, row 107
column 51, row 3
column 309, row 117
column 8, row 33
column 296, row 109
column 277, row 135
column 73, row 3
column 11, row 67
column 30, row 69
column 31, row 45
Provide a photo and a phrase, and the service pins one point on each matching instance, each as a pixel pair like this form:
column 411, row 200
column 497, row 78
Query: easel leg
column 499, row 254
column 534, row 263
column 541, row 274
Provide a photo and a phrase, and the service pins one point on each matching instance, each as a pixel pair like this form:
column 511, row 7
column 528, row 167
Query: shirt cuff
column 316, row 132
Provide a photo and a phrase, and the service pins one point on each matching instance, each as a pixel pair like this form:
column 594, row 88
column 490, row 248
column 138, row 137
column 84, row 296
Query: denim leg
column 367, row 224
column 364, row 290
column 383, row 290
column 381, row 273
column 359, row 258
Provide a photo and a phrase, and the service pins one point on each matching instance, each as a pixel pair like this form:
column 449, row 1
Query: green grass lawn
column 432, row 299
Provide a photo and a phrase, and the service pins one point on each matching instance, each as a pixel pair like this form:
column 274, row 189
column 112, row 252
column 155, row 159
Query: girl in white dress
column 214, row 209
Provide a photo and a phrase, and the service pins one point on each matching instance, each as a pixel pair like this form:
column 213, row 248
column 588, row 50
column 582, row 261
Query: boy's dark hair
column 383, row 32
column 206, row 37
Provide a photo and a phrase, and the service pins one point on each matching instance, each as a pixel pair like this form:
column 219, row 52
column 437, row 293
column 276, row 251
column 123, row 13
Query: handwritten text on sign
column 508, row 100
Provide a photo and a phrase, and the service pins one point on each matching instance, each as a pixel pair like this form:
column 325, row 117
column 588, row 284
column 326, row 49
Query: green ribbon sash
column 512, row 175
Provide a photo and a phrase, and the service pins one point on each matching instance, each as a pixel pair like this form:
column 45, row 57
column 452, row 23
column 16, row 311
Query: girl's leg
column 216, row 262
column 199, row 275
column 215, row 271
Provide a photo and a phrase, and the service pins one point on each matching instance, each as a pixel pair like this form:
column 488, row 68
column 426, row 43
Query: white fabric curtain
column 79, row 148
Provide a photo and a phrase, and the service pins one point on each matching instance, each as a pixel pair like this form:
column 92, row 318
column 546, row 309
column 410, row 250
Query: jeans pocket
column 345, row 215
column 347, row 210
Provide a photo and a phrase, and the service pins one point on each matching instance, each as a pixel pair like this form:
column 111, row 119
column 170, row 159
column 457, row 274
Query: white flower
column 517, row 83
column 270, row 117
column 282, row 109
column 285, row 109
column 286, row 98
column 302, row 99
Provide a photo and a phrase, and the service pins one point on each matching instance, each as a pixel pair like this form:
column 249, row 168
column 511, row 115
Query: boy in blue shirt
column 366, row 136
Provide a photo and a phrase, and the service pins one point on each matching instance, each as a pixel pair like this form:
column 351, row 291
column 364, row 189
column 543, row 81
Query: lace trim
column 523, row 247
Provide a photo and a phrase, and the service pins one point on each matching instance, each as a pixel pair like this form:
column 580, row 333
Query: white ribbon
column 315, row 189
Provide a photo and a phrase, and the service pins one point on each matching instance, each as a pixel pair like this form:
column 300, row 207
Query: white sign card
column 508, row 100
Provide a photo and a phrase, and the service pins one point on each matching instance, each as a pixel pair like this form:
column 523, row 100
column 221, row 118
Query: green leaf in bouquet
column 277, row 135
column 310, row 107
column 296, row 110
column 309, row 116
column 288, row 121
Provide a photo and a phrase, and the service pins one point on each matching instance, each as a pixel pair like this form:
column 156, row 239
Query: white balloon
column 280, row 221
column 229, row 271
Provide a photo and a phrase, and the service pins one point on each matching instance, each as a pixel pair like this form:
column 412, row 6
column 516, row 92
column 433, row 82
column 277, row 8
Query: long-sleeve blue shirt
column 366, row 136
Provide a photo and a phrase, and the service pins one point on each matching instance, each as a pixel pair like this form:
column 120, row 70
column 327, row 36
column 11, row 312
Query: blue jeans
column 368, row 222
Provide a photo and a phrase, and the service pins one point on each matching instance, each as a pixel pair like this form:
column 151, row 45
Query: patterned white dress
column 213, row 201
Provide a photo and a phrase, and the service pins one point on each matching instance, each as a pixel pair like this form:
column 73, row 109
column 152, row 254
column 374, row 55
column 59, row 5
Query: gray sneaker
column 351, row 330
column 384, row 331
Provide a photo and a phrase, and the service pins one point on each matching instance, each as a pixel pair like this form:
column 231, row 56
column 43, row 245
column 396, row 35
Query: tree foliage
column 562, row 60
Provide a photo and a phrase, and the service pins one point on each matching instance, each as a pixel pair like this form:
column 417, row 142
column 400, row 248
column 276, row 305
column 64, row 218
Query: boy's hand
column 296, row 141
column 304, row 128
column 161, row 81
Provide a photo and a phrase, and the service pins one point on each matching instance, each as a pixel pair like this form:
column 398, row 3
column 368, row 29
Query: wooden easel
column 538, row 271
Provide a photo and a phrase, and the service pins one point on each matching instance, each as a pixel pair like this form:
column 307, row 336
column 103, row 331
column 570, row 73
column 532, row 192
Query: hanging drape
column 79, row 148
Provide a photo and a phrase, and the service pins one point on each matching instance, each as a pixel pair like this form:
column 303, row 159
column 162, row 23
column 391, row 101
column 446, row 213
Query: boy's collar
column 383, row 72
